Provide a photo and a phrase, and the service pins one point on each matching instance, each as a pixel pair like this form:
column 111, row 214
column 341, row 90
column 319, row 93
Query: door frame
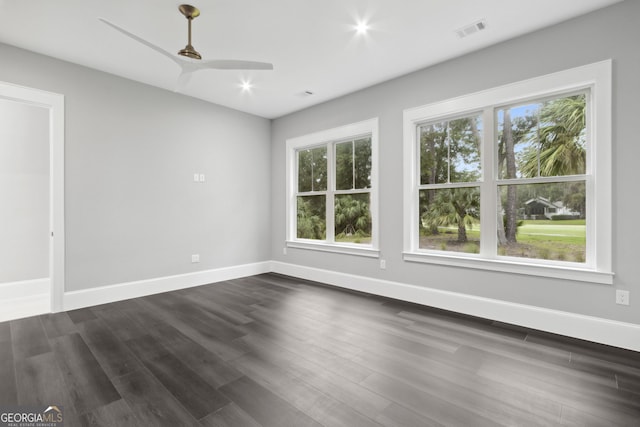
column 55, row 104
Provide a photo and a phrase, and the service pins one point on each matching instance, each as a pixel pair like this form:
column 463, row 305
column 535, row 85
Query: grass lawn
column 568, row 232
column 365, row 240
column 541, row 239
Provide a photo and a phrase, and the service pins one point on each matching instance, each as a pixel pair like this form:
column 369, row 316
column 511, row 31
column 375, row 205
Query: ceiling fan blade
column 232, row 64
column 141, row 40
column 183, row 81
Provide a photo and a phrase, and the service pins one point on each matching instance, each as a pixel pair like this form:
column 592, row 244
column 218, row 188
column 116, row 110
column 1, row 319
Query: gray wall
column 132, row 210
column 609, row 33
column 24, row 192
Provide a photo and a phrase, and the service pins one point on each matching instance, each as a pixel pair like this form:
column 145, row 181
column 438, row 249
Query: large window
column 516, row 178
column 332, row 199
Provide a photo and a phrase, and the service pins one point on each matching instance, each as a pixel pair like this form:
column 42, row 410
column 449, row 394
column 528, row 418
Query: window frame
column 595, row 79
column 330, row 138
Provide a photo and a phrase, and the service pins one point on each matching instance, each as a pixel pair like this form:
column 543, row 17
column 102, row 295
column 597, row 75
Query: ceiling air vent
column 471, row 29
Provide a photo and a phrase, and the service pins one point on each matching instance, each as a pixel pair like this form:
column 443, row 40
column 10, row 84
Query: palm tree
column 560, row 148
column 449, row 152
column 453, row 206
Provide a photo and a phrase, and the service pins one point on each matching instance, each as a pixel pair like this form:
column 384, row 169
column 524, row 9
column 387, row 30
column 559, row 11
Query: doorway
column 31, row 202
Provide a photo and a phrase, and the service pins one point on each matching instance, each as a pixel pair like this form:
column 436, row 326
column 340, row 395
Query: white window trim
column 594, row 77
column 338, row 134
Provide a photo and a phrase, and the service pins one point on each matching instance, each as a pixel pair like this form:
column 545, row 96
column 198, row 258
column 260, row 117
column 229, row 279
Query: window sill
column 366, row 251
column 508, row 266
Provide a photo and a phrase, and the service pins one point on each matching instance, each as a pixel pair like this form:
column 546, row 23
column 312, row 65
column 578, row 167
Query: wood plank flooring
column 272, row 350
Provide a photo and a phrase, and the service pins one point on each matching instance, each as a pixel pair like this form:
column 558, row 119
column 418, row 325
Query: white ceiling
column 313, row 44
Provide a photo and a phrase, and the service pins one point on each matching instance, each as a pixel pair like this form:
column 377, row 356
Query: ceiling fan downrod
column 190, row 12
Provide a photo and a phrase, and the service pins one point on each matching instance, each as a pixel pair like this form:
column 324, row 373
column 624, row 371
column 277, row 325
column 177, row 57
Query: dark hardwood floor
column 275, row 351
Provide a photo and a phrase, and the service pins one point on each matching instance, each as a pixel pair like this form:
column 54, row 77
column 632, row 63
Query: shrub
column 564, row 217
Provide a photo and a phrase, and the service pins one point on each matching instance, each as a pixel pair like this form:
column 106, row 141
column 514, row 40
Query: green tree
column 510, row 226
column 454, row 206
column 353, row 164
column 449, row 152
column 558, row 147
column 352, row 215
column 311, row 218
column 512, row 132
column 312, row 169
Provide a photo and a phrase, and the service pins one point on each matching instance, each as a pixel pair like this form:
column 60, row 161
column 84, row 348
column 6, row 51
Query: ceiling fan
column 194, row 62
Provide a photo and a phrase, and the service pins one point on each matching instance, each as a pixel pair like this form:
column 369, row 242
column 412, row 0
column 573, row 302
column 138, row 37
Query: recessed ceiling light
column 362, row 27
column 246, row 86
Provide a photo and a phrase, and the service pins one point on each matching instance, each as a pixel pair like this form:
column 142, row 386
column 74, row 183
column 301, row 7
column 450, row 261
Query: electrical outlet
column 195, row 258
column 284, row 250
column 202, row 177
column 383, row 264
column 622, row 297
column 196, row 177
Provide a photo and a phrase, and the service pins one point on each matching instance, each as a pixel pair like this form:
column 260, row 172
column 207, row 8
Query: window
column 515, row 178
column 450, row 173
column 332, row 191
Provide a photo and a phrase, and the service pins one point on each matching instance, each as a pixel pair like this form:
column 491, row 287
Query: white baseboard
column 25, row 298
column 30, row 298
column 604, row 331
column 111, row 293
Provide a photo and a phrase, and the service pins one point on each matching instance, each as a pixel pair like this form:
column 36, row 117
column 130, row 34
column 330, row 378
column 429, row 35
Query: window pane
column 353, row 164
column 450, row 219
column 542, row 138
column 312, row 169
column 305, row 161
column 344, row 165
column 543, row 221
column 362, row 160
column 312, row 222
column 450, row 151
column 353, row 218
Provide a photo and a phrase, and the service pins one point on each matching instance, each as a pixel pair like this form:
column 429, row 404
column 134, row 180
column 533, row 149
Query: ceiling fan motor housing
column 190, row 52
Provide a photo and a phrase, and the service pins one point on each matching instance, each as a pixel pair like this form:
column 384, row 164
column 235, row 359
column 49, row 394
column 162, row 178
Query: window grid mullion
column 331, row 190
column 542, row 180
column 353, row 191
column 310, row 193
column 445, row 185
column 488, row 188
column 353, row 164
